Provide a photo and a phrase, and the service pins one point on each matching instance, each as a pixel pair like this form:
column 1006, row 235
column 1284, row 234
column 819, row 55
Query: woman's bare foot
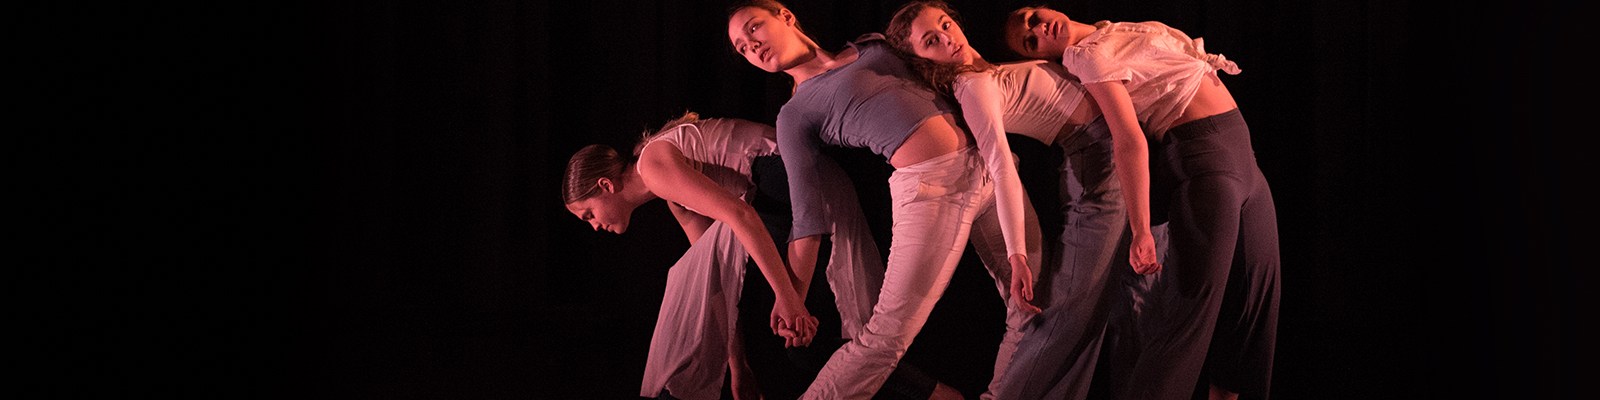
column 1222, row 394
column 943, row 392
column 744, row 388
column 743, row 381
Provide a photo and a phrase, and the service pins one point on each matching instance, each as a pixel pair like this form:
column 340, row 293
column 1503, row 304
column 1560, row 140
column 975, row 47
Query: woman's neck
column 821, row 61
column 633, row 189
column 1076, row 31
column 978, row 63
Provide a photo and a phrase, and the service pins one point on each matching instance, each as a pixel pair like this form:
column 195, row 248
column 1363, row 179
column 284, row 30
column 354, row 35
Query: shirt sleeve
column 801, row 148
column 1091, row 65
column 981, row 104
column 1197, row 48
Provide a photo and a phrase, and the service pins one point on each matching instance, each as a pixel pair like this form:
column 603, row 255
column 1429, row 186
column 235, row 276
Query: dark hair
column 1008, row 36
column 934, row 75
column 591, row 163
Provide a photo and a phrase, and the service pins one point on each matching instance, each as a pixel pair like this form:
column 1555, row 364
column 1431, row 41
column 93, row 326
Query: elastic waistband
column 1223, row 122
column 941, row 162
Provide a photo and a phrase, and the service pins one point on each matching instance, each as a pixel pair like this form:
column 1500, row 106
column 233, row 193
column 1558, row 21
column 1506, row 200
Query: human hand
column 793, row 323
column 1142, row 254
column 796, row 338
column 1022, row 283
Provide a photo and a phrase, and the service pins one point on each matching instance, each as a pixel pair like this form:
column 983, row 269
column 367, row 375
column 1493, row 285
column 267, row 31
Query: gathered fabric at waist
column 955, row 159
column 1225, row 122
column 958, row 171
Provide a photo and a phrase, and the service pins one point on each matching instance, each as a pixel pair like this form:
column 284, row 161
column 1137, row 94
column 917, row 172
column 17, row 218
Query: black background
column 359, row 199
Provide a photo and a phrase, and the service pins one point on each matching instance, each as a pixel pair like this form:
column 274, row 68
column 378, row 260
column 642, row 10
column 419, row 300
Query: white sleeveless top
column 722, row 149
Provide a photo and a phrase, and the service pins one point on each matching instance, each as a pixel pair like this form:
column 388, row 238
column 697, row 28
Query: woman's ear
column 606, row 185
column 786, row 16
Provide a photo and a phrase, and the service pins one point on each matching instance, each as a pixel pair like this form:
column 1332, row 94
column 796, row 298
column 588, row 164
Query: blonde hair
column 688, row 117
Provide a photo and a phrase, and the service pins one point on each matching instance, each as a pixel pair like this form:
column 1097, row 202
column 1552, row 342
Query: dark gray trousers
column 1215, row 303
column 1060, row 346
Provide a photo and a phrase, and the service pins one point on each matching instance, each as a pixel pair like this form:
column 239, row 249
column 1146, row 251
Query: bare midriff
column 1211, row 98
column 936, row 136
column 1086, row 112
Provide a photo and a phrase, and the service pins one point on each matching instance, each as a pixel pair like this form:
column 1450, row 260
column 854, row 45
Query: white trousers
column 937, row 204
column 689, row 349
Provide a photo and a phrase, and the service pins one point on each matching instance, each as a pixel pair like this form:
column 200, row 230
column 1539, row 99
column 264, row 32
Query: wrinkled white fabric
column 938, row 205
column 722, row 149
column 1031, row 98
column 1161, row 67
column 1036, row 97
column 689, row 349
column 855, row 268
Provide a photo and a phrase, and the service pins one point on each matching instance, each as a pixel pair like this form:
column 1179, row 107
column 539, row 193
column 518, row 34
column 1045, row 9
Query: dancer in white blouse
column 1040, row 100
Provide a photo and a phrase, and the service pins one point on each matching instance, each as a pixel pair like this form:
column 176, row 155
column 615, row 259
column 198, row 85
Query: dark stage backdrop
column 388, row 224
column 454, row 271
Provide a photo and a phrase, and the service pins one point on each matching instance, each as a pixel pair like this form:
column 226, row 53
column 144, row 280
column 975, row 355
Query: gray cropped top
column 872, row 102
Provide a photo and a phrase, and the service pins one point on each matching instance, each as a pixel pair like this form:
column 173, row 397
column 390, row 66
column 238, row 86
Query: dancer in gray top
column 861, row 97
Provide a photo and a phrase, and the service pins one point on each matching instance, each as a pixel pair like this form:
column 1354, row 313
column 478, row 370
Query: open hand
column 1022, row 284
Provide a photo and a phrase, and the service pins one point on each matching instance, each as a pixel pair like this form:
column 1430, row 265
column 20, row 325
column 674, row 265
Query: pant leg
column 689, row 348
column 855, row 268
column 1209, row 225
column 848, row 279
column 1132, row 296
column 988, row 241
column 1241, row 355
column 1057, row 356
column 855, row 276
column 934, row 204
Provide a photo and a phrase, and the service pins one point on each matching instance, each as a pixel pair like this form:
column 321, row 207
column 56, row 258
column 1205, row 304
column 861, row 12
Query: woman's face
column 767, row 41
column 604, row 211
column 936, row 37
column 1040, row 33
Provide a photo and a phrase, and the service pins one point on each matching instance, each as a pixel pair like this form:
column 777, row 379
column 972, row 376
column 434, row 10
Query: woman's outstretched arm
column 668, row 174
column 980, row 100
column 1132, row 159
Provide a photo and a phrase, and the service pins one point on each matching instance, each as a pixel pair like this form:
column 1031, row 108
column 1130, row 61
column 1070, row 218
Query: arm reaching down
column 665, row 170
column 981, row 100
column 1132, row 158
